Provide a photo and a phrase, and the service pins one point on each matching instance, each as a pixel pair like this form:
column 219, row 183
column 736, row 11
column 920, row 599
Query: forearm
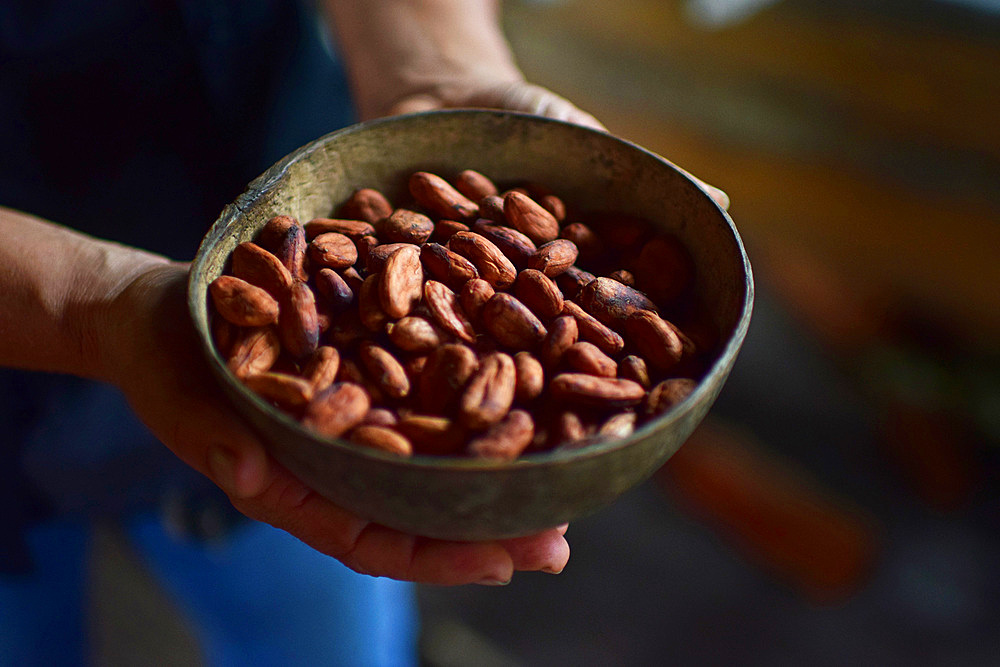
column 397, row 48
column 56, row 286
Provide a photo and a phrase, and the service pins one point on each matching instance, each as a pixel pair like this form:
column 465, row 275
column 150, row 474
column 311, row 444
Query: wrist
column 55, row 288
column 396, row 49
column 100, row 316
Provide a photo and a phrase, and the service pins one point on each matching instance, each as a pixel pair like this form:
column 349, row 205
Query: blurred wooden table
column 867, row 139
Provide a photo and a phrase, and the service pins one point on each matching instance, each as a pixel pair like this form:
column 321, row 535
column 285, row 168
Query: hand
column 153, row 356
column 517, row 95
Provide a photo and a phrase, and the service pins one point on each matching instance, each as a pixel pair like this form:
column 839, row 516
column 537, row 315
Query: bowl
column 461, row 498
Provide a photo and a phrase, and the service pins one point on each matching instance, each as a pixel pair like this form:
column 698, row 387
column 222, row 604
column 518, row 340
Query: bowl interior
column 461, row 498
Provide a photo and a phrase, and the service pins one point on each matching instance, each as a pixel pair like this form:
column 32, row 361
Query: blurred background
column 840, row 505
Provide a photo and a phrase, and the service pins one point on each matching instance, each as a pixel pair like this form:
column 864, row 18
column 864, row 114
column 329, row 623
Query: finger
column 540, row 101
column 413, row 104
column 547, row 551
column 386, row 552
column 370, row 548
column 719, row 196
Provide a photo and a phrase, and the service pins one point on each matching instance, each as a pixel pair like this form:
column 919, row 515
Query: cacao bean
column 242, row 303
column 339, row 408
column 366, row 204
column 439, row 197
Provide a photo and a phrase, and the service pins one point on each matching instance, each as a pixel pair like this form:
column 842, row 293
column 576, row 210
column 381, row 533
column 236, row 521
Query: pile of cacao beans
column 464, row 321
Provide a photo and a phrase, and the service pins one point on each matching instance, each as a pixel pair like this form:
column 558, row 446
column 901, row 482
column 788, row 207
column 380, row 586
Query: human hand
column 515, row 95
column 152, row 355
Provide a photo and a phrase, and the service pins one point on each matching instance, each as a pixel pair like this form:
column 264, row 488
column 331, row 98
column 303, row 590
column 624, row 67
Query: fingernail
column 720, row 197
column 222, row 467
column 551, row 570
column 489, row 581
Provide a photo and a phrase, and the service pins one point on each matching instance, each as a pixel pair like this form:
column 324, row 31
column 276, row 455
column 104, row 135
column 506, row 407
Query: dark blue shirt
column 135, row 121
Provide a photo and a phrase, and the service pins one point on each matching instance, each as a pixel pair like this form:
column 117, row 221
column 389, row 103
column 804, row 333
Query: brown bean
column 285, row 238
column 380, row 253
column 474, row 185
column 254, row 351
column 506, row 439
column 663, row 269
column 491, row 208
column 492, row 264
column 406, row 226
column 289, row 392
column 612, row 302
column 489, row 393
column 529, row 217
column 572, row 281
column 352, row 229
column 242, row 303
column 336, row 410
column 554, row 257
column 529, row 377
column 563, row 332
column 321, row 369
column 657, row 340
column 473, row 296
column 601, row 392
column 617, row 426
column 258, row 267
column 373, row 317
column 447, row 311
column 332, row 250
column 633, row 367
column 346, row 329
column 511, row 322
column 445, row 229
column 382, row 438
column 366, row 204
column 591, row 329
column 298, row 321
column 667, row 394
column 539, row 293
column 439, row 197
column 333, row 289
column 380, row 417
column 414, row 333
column 385, row 370
column 624, row 277
column 401, row 286
column 517, row 247
column 588, row 358
column 447, row 266
column 553, row 205
column 445, row 375
column 439, row 436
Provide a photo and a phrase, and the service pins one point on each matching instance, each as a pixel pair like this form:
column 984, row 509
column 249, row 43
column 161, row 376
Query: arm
column 56, row 286
column 416, row 55
column 70, row 303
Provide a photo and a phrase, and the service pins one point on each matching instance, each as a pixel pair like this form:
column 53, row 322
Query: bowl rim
column 262, row 185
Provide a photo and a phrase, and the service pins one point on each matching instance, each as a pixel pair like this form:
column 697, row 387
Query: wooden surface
column 864, row 140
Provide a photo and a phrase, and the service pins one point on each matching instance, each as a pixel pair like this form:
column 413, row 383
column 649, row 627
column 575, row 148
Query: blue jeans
column 257, row 596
